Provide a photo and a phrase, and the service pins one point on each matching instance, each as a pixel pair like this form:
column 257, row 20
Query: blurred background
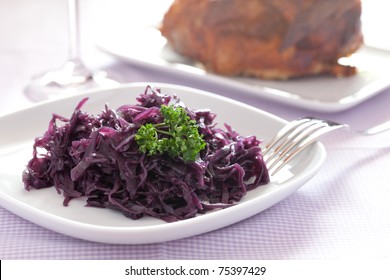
column 44, row 43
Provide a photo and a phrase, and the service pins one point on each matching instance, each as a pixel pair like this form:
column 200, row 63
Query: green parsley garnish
column 177, row 135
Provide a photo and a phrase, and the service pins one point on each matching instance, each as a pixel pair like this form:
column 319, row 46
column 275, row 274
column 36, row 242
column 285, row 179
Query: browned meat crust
column 272, row 39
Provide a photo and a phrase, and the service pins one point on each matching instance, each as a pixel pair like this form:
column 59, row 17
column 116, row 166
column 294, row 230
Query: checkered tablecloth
column 343, row 212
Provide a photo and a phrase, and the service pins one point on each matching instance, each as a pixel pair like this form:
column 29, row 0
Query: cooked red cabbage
column 97, row 157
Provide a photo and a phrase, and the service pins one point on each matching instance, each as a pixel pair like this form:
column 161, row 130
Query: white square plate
column 44, row 207
column 147, row 47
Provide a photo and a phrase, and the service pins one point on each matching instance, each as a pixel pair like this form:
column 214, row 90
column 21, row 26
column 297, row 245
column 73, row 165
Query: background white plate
column 146, row 47
column 44, row 207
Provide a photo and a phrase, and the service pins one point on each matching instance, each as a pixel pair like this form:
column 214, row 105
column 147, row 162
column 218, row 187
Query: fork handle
column 378, row 128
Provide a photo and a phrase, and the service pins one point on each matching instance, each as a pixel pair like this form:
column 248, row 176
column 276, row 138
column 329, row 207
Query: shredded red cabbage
column 97, row 157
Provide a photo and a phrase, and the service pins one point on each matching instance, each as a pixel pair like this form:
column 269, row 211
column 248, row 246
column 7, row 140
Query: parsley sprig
column 177, row 135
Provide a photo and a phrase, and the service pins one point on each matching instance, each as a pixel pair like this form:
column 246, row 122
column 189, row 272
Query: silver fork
column 297, row 135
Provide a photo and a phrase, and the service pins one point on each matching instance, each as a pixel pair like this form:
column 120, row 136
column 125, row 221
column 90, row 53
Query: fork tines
column 294, row 138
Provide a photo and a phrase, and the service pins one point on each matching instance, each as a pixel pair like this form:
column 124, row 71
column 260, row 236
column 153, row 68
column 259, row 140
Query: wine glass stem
column 74, row 30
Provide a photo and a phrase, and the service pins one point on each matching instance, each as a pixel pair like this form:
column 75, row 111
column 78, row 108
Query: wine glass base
column 72, row 78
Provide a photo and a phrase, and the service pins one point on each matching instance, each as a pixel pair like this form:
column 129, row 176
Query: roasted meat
column 271, row 39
